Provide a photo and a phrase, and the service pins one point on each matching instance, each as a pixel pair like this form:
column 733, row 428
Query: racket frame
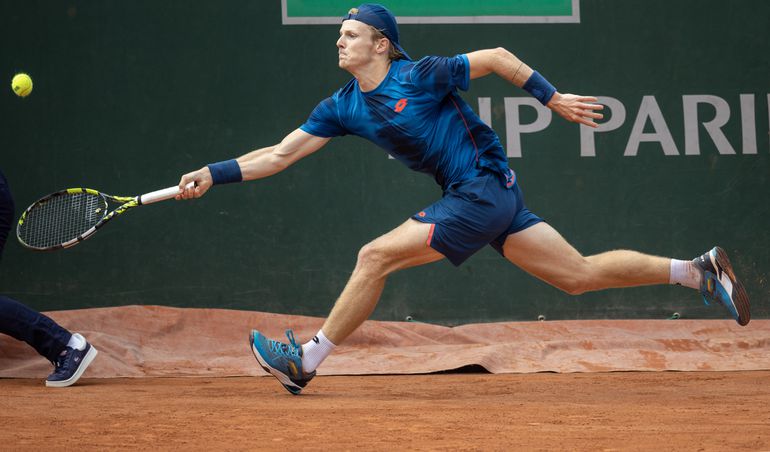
column 128, row 202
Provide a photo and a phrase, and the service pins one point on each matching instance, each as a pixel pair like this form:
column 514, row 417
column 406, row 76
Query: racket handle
column 161, row 195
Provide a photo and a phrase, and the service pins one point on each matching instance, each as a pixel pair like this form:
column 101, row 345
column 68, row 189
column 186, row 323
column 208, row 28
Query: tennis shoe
column 281, row 360
column 70, row 365
column 720, row 284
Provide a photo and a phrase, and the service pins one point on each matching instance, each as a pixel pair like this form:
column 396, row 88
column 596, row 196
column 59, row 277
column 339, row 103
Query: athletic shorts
column 474, row 213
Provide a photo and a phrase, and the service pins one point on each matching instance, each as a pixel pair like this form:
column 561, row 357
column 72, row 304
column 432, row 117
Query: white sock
column 685, row 273
column 315, row 351
column 77, row 342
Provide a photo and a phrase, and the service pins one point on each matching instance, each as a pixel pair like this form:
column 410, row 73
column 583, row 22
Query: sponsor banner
column 310, row 12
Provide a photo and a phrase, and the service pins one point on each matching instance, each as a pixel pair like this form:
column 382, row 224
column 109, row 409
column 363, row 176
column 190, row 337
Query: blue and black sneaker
column 70, row 365
column 720, row 284
column 283, row 361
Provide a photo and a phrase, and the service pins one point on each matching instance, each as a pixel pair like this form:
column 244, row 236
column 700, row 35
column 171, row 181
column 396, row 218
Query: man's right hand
column 203, row 182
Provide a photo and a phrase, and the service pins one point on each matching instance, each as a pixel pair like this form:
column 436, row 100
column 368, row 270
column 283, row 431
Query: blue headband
column 380, row 18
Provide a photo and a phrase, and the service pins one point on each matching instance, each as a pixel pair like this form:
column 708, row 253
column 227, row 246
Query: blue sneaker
column 70, row 366
column 720, row 284
column 283, row 361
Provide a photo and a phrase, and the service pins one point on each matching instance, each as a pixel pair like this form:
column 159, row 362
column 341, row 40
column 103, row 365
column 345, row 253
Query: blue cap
column 380, row 18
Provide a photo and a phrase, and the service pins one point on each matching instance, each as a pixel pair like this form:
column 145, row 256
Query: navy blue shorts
column 474, row 213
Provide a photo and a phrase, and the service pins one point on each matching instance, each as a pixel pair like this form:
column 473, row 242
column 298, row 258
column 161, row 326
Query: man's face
column 355, row 47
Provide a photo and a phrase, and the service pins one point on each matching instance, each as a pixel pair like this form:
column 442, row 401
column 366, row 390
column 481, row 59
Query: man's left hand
column 574, row 108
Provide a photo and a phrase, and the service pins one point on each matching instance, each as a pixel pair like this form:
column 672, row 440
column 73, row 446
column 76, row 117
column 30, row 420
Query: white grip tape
column 162, row 195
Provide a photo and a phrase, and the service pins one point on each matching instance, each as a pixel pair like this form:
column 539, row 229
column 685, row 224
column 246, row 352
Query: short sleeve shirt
column 418, row 117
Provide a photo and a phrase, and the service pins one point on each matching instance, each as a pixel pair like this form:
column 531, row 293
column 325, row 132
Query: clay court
column 169, row 378
column 598, row 411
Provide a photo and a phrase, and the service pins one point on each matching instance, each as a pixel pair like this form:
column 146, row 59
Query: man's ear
column 382, row 45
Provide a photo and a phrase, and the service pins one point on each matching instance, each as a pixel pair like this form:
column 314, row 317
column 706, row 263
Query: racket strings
column 62, row 218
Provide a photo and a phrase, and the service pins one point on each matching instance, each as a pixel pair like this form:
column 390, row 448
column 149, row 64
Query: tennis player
column 413, row 111
column 71, row 354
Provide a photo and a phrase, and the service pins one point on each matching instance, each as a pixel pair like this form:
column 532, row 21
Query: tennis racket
column 66, row 218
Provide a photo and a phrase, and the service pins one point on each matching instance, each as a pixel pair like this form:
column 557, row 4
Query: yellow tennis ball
column 22, row 85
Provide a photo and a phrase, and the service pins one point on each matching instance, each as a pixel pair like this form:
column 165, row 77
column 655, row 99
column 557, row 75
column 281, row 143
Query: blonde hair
column 393, row 52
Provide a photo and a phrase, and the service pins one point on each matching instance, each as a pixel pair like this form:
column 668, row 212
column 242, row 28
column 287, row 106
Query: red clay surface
column 543, row 411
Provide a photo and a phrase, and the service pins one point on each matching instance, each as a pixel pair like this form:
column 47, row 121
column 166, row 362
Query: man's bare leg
column 293, row 364
column 541, row 251
column 404, row 247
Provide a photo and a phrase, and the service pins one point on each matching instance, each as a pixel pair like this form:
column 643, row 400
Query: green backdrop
column 129, row 95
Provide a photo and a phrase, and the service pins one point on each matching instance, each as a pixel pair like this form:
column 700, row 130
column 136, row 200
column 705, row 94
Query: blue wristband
column 539, row 88
column 225, row 172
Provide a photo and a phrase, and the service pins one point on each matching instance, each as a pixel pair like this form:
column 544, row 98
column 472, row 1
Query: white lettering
column 748, row 124
column 513, row 126
column 617, row 118
column 485, row 110
column 713, row 127
column 649, row 109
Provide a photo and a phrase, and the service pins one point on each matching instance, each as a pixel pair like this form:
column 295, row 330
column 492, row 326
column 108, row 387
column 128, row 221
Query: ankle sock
column 315, row 351
column 685, row 273
column 77, row 342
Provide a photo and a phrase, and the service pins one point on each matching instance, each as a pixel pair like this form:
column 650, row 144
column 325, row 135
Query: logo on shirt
column 400, row 105
column 510, row 179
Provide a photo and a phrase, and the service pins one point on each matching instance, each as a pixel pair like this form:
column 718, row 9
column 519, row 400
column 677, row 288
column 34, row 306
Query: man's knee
column 579, row 281
column 574, row 286
column 373, row 258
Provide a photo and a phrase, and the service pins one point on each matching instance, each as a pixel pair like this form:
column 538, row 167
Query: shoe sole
column 739, row 295
column 282, row 377
column 78, row 373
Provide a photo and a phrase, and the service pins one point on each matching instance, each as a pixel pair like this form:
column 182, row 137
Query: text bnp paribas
column 732, row 129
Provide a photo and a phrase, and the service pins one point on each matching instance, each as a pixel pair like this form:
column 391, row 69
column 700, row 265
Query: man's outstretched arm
column 580, row 109
column 254, row 165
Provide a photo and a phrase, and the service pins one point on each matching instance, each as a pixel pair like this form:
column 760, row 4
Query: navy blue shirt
column 417, row 116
